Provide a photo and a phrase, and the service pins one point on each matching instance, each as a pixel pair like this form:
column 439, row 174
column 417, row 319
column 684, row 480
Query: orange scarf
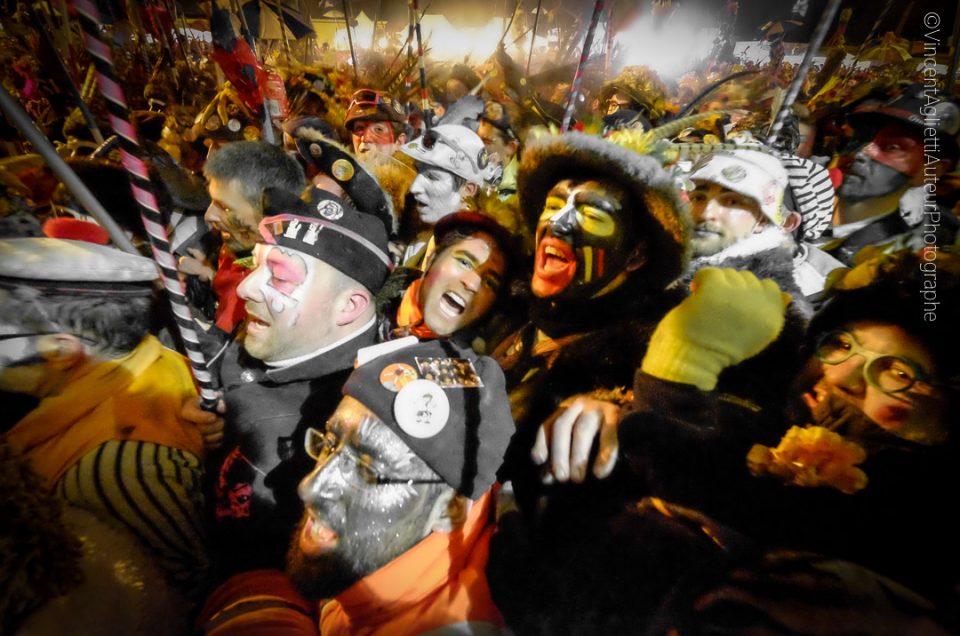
column 441, row 581
column 137, row 397
column 409, row 314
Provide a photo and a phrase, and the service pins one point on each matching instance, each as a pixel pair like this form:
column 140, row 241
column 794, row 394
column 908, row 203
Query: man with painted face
column 376, row 122
column 463, row 278
column 611, row 235
column 452, row 167
column 399, row 506
column 889, row 145
column 237, row 174
column 309, row 305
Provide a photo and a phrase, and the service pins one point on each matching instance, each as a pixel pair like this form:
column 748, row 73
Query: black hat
column 919, row 108
column 336, row 161
column 329, row 229
column 448, row 404
column 918, row 291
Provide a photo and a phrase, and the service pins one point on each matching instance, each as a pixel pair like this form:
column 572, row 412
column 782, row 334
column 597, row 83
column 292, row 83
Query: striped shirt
column 155, row 492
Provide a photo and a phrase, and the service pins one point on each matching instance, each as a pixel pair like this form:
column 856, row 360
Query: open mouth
column 255, row 323
column 316, row 538
column 555, row 266
column 452, row 304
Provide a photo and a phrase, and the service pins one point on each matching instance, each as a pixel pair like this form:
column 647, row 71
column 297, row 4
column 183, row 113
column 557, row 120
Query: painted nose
column 564, row 221
column 710, row 211
column 870, row 150
column 249, row 288
column 323, row 482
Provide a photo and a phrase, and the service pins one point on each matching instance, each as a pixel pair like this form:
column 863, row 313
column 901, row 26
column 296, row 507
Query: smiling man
column 462, row 279
column 398, row 509
column 309, row 302
column 611, row 235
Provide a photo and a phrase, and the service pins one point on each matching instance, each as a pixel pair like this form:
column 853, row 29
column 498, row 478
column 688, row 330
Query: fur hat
column 660, row 218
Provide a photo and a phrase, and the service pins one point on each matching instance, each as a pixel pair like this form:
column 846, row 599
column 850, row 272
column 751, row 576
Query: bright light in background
column 672, row 48
column 447, row 42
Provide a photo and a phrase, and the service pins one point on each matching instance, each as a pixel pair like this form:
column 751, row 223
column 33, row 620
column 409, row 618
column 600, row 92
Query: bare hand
column 567, row 437
column 211, row 425
column 196, row 264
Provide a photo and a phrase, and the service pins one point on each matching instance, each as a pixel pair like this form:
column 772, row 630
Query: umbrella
column 263, row 19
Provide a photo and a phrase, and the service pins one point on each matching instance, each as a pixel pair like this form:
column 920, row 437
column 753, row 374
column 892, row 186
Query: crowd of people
column 476, row 375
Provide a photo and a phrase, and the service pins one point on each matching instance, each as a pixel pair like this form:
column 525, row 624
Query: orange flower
column 811, row 457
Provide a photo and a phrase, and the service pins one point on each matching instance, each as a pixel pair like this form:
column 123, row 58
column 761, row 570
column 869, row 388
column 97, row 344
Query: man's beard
column 318, row 577
column 869, row 179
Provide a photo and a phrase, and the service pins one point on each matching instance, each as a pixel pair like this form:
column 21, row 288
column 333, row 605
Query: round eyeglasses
column 321, row 445
column 888, row 373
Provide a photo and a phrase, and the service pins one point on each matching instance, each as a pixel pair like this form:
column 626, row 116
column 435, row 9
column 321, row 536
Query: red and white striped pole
column 132, row 158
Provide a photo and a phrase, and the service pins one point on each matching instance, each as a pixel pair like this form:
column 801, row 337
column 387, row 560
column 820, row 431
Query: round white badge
column 330, row 210
column 421, row 409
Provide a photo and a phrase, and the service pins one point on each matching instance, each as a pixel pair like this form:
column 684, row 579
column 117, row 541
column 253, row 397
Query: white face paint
column 290, row 298
column 436, row 194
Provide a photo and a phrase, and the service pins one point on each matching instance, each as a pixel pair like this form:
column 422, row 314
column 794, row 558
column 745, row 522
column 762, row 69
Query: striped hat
column 810, row 193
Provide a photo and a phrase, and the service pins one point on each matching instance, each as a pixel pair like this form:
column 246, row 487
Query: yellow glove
column 729, row 316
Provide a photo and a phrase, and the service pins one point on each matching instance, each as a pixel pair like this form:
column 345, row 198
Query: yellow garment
column 730, row 316
column 137, row 397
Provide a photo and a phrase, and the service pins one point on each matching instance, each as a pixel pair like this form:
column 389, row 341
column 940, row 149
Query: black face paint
column 866, row 179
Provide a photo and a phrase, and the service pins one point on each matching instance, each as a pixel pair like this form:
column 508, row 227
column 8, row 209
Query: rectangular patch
column 449, row 373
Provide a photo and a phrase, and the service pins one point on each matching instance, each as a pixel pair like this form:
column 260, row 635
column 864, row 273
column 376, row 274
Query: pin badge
column 421, row 409
column 342, row 170
column 396, row 376
column 330, row 210
column 734, row 173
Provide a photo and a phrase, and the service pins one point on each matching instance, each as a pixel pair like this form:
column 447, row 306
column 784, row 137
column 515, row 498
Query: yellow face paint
column 587, row 264
column 596, row 222
column 590, row 219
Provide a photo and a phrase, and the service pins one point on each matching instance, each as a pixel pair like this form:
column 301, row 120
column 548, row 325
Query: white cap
column 75, row 266
column 753, row 174
column 454, row 148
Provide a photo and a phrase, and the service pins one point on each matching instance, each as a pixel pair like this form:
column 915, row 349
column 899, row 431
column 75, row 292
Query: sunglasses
column 369, row 97
column 430, row 139
column 354, row 469
column 888, row 373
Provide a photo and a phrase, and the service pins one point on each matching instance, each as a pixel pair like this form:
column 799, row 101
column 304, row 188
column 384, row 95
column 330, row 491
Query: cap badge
column 342, row 170
column 396, row 376
column 734, row 173
column 421, row 409
column 450, row 373
column 330, row 210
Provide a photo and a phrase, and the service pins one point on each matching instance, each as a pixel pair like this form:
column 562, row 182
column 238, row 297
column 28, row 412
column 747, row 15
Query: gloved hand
column 729, row 316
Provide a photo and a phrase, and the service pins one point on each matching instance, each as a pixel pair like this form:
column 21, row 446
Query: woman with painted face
column 463, row 280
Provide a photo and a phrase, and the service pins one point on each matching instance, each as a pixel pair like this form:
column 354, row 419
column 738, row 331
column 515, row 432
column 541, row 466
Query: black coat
column 253, row 479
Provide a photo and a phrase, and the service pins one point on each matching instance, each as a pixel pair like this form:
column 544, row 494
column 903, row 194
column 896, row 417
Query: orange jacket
column 439, row 582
